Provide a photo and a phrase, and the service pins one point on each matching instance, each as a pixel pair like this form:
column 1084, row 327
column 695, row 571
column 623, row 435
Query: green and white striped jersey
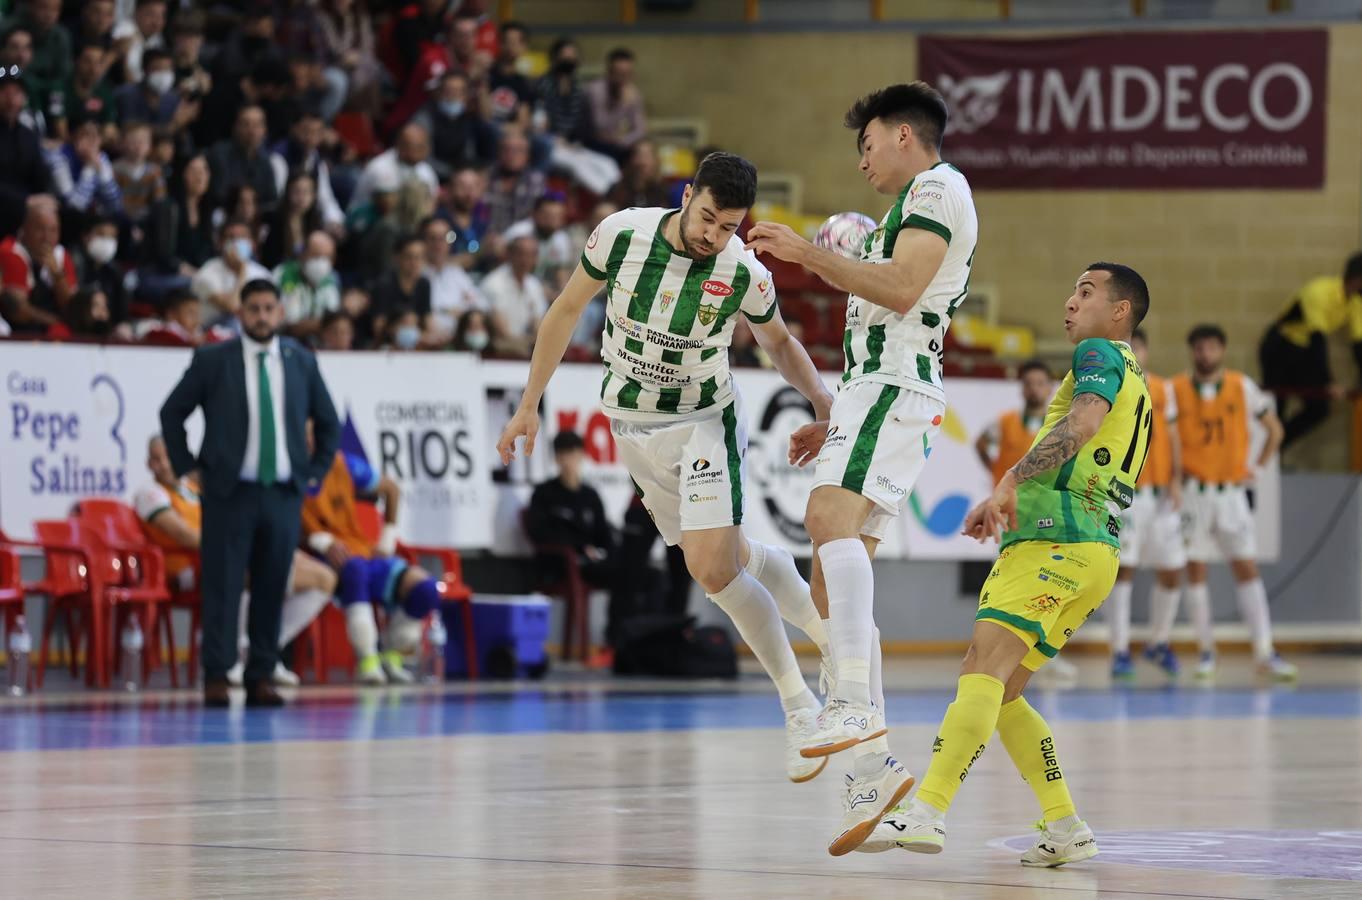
column 669, row 317
column 906, row 350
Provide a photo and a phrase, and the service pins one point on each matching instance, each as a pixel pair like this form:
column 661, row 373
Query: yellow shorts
column 1042, row 592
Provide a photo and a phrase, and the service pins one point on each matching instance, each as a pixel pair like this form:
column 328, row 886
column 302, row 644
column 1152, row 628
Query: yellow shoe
column 370, row 671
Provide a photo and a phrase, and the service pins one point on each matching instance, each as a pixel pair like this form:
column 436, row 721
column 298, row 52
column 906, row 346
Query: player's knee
column 422, row 599
column 1244, row 570
column 352, row 582
column 713, row 574
column 825, row 525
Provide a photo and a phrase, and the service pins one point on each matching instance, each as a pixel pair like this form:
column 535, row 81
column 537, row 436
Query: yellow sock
column 1032, row 747
column 964, row 733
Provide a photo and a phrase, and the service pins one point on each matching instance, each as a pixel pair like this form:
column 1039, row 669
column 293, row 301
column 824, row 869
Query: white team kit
column 675, row 414
column 1151, row 529
column 891, row 400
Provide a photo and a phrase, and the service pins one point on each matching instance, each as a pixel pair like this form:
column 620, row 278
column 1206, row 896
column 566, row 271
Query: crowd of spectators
column 411, row 176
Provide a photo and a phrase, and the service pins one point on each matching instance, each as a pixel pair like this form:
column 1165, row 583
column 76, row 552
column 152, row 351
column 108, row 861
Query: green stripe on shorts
column 863, row 451
column 734, row 461
column 1016, row 622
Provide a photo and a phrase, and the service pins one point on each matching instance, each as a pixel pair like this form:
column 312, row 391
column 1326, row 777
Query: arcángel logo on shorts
column 1043, row 603
column 700, row 465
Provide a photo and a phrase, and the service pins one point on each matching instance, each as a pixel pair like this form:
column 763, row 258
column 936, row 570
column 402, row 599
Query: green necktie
column 265, row 474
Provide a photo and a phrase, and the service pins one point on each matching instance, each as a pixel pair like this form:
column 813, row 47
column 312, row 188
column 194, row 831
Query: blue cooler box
column 510, row 632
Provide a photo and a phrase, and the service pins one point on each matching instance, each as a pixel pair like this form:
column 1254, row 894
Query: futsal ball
column 845, row 233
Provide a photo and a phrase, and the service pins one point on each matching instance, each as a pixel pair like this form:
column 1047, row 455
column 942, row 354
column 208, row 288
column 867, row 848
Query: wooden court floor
column 588, row 787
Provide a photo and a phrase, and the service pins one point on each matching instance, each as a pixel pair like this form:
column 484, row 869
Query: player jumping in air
column 675, row 281
column 911, row 277
column 1057, row 513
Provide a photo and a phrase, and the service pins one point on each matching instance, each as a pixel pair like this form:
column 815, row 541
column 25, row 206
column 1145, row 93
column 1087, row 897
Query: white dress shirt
column 274, row 365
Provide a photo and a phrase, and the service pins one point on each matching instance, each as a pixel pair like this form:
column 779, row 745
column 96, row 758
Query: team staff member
column 1005, row 441
column 173, row 512
column 1215, row 407
column 1295, row 351
column 1151, row 534
column 257, row 392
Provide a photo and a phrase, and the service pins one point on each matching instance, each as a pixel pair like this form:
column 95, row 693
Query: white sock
column 1118, row 616
column 925, row 812
column 1252, row 596
column 876, row 671
column 300, row 608
column 775, row 568
column 243, row 640
column 361, row 629
column 869, row 755
column 404, row 632
column 1163, row 612
column 851, row 609
column 1199, row 609
column 754, row 613
column 1064, row 825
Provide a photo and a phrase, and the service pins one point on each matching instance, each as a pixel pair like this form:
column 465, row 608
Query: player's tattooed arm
column 1063, row 441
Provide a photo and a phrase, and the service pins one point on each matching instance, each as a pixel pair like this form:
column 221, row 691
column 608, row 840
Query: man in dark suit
column 257, row 393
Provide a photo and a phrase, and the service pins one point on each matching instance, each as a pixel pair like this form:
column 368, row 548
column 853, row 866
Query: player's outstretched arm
column 998, row 513
column 549, row 345
column 895, row 285
column 793, row 363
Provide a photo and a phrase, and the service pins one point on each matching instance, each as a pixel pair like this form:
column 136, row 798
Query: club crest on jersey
column 667, row 298
column 591, row 241
column 717, row 288
column 707, row 313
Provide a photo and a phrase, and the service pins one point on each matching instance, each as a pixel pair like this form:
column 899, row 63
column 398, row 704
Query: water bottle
column 433, row 665
column 20, row 645
column 132, row 655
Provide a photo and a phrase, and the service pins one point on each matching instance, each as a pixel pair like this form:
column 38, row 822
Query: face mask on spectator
column 243, row 249
column 102, row 249
column 452, row 108
column 407, row 337
column 161, row 82
column 316, row 269
column 476, row 340
column 565, row 67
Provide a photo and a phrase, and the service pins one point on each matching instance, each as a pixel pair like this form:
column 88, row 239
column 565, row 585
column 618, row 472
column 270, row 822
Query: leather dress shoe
column 215, row 693
column 262, row 693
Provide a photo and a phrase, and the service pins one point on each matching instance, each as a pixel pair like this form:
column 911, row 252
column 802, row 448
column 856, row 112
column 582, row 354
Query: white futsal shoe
column 867, row 800
column 284, row 677
column 842, row 725
column 237, row 673
column 1055, row 849
column 799, row 728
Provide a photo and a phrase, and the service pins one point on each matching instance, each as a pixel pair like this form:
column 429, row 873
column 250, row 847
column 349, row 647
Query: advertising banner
column 1144, row 109
column 76, row 421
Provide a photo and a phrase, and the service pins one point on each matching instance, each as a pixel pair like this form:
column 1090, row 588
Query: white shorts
column 879, row 437
column 688, row 473
column 1218, row 519
column 1151, row 533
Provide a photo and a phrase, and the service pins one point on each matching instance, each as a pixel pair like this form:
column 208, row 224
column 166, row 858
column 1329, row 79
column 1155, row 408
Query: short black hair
column 917, row 104
column 259, row 286
column 155, row 54
column 1352, row 269
column 567, row 441
column 620, row 54
column 407, row 240
column 95, row 220
column 514, row 25
column 331, row 317
column 1139, row 335
column 177, row 298
column 1206, row 332
column 1035, row 365
column 559, row 44
column 730, row 180
column 1126, row 284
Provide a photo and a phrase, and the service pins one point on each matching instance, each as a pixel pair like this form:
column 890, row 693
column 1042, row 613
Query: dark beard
column 685, row 244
